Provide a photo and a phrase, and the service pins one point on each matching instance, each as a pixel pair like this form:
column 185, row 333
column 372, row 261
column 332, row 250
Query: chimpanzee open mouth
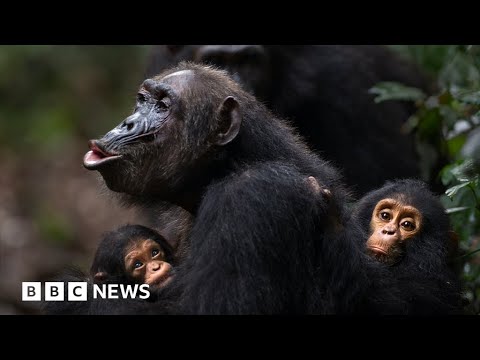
column 98, row 156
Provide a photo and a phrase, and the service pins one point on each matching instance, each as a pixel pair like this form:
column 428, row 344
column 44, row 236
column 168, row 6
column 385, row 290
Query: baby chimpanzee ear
column 100, row 276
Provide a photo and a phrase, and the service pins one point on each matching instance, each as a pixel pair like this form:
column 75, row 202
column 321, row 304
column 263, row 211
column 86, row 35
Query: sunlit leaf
column 465, row 171
column 454, row 189
column 446, row 173
column 456, row 209
column 396, row 91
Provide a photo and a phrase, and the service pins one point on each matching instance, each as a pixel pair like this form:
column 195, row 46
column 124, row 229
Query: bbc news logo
column 78, row 291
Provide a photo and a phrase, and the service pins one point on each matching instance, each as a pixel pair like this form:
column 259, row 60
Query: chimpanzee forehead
column 174, row 83
column 178, row 80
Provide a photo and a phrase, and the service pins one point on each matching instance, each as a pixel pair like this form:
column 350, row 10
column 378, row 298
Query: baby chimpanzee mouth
column 98, row 156
column 377, row 250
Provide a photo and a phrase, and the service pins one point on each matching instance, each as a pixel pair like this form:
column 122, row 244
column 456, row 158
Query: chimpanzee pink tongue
column 92, row 157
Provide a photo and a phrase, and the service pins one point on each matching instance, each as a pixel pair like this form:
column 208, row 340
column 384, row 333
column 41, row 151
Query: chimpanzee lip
column 98, row 156
column 378, row 250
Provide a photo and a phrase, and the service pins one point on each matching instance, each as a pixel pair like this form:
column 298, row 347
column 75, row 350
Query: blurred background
column 53, row 211
column 54, row 98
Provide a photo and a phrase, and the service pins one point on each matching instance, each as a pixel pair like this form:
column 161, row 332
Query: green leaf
column 471, row 253
column 396, row 91
column 456, row 209
column 460, row 71
column 445, row 98
column 455, row 144
column 468, row 97
column 446, row 174
column 465, row 171
column 430, row 125
column 454, row 189
column 431, row 57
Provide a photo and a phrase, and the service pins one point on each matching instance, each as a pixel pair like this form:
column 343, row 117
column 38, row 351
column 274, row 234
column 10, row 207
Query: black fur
column 172, row 222
column 264, row 246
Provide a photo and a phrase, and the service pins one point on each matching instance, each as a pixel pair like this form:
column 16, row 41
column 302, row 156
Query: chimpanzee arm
column 252, row 244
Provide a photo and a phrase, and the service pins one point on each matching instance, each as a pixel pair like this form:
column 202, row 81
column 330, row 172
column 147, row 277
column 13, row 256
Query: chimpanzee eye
column 154, row 252
column 163, row 104
column 137, row 264
column 407, row 225
column 141, row 98
column 385, row 215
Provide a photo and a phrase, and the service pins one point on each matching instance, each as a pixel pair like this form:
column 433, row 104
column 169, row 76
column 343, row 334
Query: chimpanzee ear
column 230, row 120
column 100, row 276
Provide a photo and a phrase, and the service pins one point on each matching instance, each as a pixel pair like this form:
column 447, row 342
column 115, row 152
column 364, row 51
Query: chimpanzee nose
column 389, row 230
column 156, row 265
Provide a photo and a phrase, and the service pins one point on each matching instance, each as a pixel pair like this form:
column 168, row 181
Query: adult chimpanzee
column 407, row 229
column 131, row 254
column 261, row 240
column 324, row 91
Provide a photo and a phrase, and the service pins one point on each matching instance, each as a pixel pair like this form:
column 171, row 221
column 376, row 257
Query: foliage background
column 446, row 125
column 54, row 98
column 52, row 211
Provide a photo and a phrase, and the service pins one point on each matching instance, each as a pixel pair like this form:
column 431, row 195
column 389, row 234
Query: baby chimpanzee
column 133, row 254
column 130, row 255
